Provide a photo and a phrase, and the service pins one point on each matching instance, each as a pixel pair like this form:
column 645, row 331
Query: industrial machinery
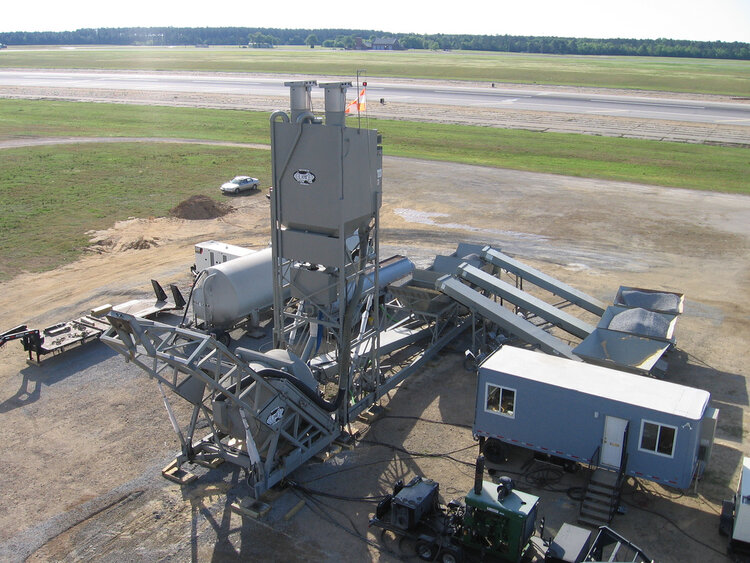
column 269, row 412
column 233, row 293
column 212, row 252
column 735, row 513
column 493, row 520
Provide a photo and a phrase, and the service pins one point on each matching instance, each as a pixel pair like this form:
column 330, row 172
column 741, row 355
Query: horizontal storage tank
column 227, row 293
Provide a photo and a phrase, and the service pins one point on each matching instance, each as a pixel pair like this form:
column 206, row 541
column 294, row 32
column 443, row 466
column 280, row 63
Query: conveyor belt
column 518, row 297
column 503, row 317
column 497, row 258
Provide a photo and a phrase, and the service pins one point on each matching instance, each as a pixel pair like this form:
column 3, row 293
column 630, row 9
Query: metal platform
column 621, row 350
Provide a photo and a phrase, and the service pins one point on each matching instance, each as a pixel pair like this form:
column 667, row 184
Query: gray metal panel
column 320, row 189
column 544, row 281
column 449, row 264
column 508, row 321
column 519, row 297
column 311, row 247
column 466, row 249
column 612, row 348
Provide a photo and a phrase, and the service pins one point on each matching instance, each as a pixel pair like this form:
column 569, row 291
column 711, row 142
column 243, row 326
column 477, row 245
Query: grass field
column 52, row 195
column 681, row 165
column 710, row 76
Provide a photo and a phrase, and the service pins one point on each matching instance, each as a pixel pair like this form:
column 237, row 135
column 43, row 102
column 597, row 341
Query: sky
column 701, row 20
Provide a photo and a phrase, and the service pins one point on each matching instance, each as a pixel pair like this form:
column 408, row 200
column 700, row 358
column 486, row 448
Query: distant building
column 386, row 44
column 362, row 44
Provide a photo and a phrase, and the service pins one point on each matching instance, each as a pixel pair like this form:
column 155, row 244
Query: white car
column 240, row 184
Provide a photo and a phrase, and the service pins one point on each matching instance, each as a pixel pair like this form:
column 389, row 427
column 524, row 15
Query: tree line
column 346, row 38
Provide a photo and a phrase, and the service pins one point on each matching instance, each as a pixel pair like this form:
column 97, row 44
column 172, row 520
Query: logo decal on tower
column 304, row 177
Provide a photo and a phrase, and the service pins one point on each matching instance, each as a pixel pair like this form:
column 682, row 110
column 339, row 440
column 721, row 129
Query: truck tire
column 452, row 555
column 495, row 451
column 426, row 550
column 224, row 338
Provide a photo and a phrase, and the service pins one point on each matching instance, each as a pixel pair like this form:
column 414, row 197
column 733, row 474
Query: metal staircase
column 601, row 496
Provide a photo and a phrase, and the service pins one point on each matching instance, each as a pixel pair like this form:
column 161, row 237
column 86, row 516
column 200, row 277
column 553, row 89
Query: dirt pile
column 141, row 243
column 200, row 207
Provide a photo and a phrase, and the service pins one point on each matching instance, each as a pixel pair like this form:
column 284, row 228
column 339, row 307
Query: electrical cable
column 319, row 508
column 419, row 418
column 190, row 297
column 300, row 487
column 446, row 455
column 674, row 524
column 350, row 468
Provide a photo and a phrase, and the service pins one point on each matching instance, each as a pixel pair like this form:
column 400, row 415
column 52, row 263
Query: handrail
column 593, row 463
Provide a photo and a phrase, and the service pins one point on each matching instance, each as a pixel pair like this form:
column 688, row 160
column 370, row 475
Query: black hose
column 190, row 297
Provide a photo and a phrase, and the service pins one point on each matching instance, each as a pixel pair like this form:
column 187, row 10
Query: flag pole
column 359, row 102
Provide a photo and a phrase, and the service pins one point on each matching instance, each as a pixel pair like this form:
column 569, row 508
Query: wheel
column 236, row 191
column 452, row 555
column 426, row 550
column 495, row 451
column 224, row 338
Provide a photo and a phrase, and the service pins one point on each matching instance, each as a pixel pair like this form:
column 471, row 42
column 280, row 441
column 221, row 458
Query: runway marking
column 652, row 104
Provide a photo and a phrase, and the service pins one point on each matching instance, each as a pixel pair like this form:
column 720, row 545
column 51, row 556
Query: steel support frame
column 183, row 359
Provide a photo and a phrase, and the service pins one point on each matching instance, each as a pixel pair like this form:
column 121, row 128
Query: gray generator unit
column 413, row 501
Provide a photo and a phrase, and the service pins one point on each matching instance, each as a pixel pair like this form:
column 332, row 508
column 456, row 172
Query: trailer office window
column 501, row 400
column 657, row 438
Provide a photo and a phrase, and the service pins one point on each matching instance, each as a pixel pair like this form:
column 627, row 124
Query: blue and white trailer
column 656, row 430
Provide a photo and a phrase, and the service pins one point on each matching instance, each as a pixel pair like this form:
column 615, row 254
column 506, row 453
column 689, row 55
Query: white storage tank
column 227, row 293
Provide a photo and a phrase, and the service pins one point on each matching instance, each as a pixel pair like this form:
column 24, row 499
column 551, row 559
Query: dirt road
column 85, row 434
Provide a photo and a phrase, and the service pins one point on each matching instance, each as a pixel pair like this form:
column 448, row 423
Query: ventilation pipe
column 335, row 100
column 479, row 475
column 300, row 100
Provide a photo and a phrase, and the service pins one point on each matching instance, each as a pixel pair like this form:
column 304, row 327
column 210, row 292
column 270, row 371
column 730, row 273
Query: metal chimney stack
column 300, row 100
column 335, row 102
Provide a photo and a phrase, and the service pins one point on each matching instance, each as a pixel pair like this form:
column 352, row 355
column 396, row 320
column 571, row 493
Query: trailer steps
column 601, row 498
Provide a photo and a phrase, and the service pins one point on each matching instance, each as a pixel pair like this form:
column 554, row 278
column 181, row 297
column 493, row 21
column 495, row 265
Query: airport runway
column 542, row 100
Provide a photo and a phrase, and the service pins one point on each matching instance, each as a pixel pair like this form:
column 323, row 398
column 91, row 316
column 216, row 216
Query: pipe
column 311, row 340
column 305, row 117
column 479, row 475
column 280, row 113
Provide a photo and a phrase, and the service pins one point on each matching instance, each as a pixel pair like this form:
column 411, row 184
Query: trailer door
column 613, row 441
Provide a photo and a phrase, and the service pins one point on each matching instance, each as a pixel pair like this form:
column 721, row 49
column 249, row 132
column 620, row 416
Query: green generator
column 498, row 520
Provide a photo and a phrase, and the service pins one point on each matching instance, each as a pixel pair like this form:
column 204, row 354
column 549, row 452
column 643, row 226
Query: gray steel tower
column 324, row 218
